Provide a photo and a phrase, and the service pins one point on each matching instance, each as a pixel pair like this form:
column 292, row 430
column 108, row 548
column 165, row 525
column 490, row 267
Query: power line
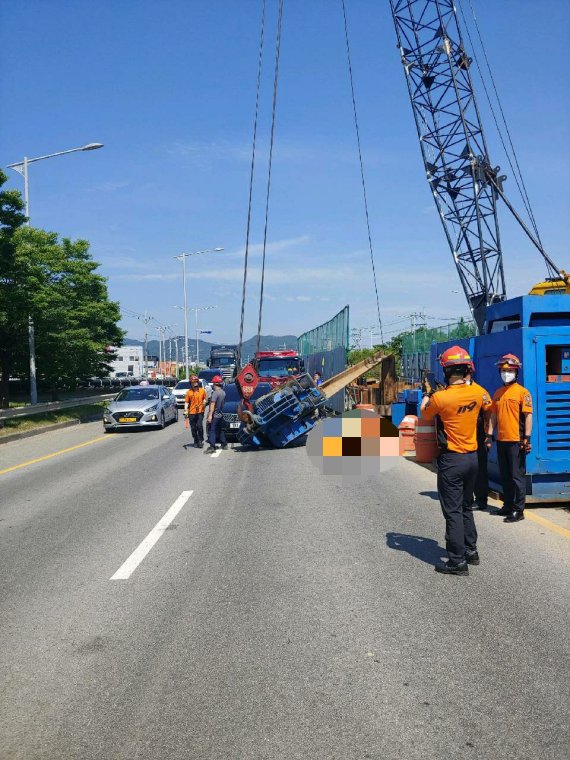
column 517, row 173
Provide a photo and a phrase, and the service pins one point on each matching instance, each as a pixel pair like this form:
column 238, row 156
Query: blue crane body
column 284, row 416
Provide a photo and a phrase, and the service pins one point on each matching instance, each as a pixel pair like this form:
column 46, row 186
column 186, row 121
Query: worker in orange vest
column 194, row 404
column 457, row 408
column 512, row 419
column 481, row 487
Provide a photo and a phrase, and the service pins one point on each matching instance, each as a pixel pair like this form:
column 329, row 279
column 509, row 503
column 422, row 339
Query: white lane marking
column 131, row 564
column 216, row 453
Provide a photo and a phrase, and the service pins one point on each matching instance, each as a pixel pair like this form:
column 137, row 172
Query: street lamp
column 22, row 168
column 182, row 257
column 196, row 309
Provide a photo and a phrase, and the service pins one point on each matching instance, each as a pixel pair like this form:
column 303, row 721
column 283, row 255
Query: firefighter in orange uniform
column 512, row 419
column 481, row 487
column 194, row 403
column 457, row 408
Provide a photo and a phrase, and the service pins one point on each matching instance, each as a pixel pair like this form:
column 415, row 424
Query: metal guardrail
column 53, row 406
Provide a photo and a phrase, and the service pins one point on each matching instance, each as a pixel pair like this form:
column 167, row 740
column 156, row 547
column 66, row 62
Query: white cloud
column 109, row 187
column 291, row 276
column 285, row 151
column 272, row 247
column 215, row 150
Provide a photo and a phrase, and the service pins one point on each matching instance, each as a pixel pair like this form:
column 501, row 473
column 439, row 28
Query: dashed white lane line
column 131, row 564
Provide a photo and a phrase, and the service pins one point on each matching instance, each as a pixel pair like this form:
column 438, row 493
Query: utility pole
column 22, row 168
column 145, row 351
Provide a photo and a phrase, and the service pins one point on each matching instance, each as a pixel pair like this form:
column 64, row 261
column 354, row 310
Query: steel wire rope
column 361, row 167
column 517, row 173
column 499, row 130
column 271, row 140
column 251, row 175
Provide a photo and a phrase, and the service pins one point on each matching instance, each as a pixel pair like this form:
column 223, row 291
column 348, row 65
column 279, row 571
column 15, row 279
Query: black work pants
column 216, row 433
column 512, row 466
column 456, row 475
column 197, row 427
column 481, row 487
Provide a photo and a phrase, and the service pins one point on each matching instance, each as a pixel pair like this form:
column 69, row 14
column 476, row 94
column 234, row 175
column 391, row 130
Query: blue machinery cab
column 537, row 330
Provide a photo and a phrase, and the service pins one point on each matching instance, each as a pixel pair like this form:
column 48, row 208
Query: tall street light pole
column 22, row 168
column 182, row 257
column 196, row 309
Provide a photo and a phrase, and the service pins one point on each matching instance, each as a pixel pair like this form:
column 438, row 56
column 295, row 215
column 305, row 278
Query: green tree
column 75, row 323
column 393, row 346
column 13, row 318
column 359, row 354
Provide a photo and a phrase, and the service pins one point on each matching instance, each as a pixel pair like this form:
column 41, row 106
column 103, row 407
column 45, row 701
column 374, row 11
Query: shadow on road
column 432, row 494
column 425, row 549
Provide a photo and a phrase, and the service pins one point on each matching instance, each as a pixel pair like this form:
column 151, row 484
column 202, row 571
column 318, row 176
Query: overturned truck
column 286, row 415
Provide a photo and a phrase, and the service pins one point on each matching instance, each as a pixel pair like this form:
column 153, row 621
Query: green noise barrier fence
column 324, row 349
column 326, row 337
column 416, row 345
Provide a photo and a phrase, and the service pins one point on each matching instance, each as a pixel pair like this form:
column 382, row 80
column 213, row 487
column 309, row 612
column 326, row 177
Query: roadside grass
column 23, row 424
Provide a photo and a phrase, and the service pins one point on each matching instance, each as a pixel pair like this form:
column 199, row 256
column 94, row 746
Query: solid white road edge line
column 216, row 454
column 131, row 564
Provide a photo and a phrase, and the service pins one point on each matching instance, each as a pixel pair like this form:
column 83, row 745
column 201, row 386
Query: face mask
column 508, row 377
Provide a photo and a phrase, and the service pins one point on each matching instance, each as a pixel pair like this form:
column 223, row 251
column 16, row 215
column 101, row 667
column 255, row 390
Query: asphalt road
column 277, row 616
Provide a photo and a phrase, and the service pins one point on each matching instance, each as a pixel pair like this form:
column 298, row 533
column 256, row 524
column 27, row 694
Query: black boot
column 515, row 516
column 472, row 558
column 504, row 512
column 448, row 568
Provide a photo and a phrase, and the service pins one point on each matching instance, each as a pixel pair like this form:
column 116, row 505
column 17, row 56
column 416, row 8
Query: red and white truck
column 276, row 367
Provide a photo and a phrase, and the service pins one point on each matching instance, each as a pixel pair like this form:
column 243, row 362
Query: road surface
column 277, row 615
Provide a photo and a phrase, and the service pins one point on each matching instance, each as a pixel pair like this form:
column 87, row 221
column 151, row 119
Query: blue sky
column 169, row 88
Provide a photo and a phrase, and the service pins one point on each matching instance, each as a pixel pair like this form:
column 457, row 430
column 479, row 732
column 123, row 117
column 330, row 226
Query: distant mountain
column 132, row 342
column 267, row 343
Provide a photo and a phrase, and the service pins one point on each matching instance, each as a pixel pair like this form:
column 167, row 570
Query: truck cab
column 225, row 359
column 276, row 367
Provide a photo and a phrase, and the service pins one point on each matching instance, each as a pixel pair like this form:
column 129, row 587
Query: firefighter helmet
column 455, row 356
column 194, row 378
column 509, row 361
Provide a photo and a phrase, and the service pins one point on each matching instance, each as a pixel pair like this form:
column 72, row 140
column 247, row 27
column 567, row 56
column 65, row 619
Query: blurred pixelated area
column 358, row 444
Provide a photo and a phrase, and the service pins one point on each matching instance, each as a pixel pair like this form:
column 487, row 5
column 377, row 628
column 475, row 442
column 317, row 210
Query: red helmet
column 217, row 379
column 455, row 356
column 509, row 361
column 194, row 378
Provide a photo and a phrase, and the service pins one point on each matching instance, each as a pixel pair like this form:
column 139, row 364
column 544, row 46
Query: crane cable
column 517, row 173
column 251, row 174
column 361, row 167
column 273, row 114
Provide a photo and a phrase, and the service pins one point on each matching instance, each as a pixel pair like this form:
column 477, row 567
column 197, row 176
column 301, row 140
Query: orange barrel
column 425, row 439
column 407, row 428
